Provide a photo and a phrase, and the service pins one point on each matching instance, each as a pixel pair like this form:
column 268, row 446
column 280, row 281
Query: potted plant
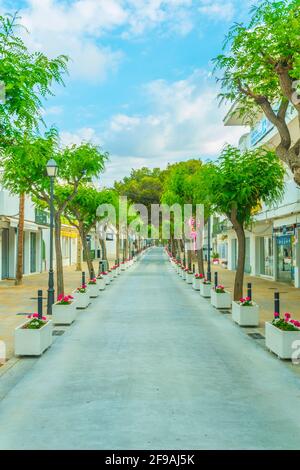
column 220, row 298
column 123, row 266
column 101, row 282
column 215, row 258
column 64, row 311
column 197, row 281
column 81, row 296
column 281, row 335
column 189, row 275
column 205, row 288
column 93, row 288
column 34, row 336
column 245, row 312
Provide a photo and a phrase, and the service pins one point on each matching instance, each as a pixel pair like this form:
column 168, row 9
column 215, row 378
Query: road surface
column 151, row 365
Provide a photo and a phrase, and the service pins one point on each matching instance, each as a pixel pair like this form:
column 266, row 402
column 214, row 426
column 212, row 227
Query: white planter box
column 110, row 276
column 220, row 300
column 93, row 290
column 245, row 316
column 64, row 314
column 205, row 290
column 118, row 271
column 33, row 342
column 123, row 267
column 197, row 283
column 281, row 342
column 184, row 275
column 101, row 284
column 106, row 279
column 189, row 278
column 82, row 300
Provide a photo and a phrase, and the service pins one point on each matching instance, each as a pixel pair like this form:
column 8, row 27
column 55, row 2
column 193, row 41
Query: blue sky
column 140, row 79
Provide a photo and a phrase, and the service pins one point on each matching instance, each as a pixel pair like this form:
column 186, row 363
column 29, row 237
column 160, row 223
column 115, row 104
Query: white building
column 272, row 241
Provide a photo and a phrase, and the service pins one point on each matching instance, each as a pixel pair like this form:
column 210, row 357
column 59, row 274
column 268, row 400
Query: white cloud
column 78, row 27
column 85, row 134
column 217, row 9
column 184, row 120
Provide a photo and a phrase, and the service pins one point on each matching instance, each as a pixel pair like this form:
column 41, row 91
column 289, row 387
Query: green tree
column 25, row 170
column 260, row 71
column 238, row 184
column 27, row 78
column 178, row 190
column 81, row 212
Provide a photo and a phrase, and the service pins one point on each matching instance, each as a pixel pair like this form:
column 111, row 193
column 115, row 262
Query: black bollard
column 83, row 278
column 40, row 304
column 249, row 290
column 277, row 302
column 193, row 269
column 92, row 273
column 216, row 279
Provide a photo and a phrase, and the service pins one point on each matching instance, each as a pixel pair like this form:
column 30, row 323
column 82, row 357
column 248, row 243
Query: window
column 109, row 236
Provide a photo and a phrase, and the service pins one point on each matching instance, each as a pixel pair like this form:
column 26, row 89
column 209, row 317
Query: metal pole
column 249, row 292
column 83, row 278
column 51, row 291
column 277, row 302
column 92, row 273
column 40, row 304
column 208, row 250
column 216, row 279
column 193, row 268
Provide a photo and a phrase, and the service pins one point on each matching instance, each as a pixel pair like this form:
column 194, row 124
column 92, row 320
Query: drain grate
column 256, row 336
column 57, row 332
column 227, row 312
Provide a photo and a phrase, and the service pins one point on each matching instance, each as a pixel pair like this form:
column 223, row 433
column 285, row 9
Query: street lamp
column 208, row 249
column 52, row 173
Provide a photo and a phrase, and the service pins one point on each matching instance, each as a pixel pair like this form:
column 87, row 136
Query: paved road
column 151, row 366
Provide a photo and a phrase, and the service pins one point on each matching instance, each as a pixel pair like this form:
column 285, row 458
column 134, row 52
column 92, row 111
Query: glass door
column 5, row 251
column 32, row 252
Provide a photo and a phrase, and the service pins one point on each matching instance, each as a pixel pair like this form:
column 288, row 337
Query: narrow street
column 151, row 365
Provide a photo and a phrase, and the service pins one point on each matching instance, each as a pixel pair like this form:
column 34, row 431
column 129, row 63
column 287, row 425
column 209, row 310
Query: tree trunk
column 199, row 254
column 173, row 247
column 239, row 276
column 79, row 251
column 118, row 246
column 58, row 254
column 19, row 266
column 189, row 259
column 86, row 250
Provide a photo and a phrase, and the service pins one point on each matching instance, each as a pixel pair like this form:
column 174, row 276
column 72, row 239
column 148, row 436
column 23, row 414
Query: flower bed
column 282, row 335
column 189, row 276
column 220, row 298
column 198, row 279
column 64, row 310
column 34, row 336
column 245, row 312
column 81, row 296
column 93, row 287
column 205, row 288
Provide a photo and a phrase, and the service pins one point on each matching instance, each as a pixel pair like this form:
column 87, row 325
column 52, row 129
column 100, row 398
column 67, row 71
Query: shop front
column 285, row 256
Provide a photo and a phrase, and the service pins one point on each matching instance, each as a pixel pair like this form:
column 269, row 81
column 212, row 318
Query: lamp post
column 52, row 173
column 208, row 249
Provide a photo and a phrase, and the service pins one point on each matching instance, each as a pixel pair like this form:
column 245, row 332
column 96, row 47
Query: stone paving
column 151, row 365
column 20, row 299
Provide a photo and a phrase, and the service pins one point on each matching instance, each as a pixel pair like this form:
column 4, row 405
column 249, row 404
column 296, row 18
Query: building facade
column 272, row 240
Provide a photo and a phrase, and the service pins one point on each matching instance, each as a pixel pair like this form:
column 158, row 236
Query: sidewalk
column 16, row 300
column 263, row 293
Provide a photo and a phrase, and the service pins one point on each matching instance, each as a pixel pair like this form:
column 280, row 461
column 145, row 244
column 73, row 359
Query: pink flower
column 276, row 315
column 70, row 297
column 60, row 297
column 287, row 317
column 44, row 318
column 247, row 298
